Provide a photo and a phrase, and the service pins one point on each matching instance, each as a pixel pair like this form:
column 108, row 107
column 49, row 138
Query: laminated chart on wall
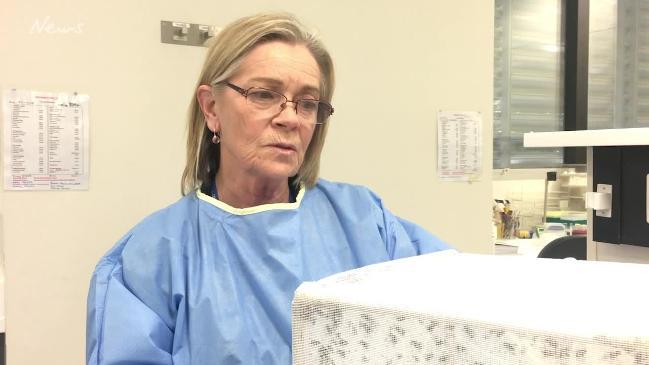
column 459, row 145
column 45, row 140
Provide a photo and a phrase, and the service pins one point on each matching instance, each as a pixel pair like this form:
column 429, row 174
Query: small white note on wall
column 459, row 145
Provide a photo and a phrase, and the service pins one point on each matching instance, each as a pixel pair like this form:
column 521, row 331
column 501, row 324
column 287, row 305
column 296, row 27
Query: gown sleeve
column 422, row 241
column 121, row 329
column 405, row 238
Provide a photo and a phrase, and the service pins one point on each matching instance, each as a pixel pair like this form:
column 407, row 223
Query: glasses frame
column 244, row 92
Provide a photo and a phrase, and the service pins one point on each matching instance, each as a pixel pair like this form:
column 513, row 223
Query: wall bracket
column 187, row 34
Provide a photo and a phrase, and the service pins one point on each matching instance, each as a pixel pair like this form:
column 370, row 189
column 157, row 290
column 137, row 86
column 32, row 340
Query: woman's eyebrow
column 279, row 83
column 310, row 90
column 267, row 80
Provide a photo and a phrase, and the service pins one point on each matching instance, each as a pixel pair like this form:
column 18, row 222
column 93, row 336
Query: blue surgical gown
column 200, row 282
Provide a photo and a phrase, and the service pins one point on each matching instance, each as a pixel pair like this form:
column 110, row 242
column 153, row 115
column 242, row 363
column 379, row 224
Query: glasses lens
column 264, row 99
column 307, row 109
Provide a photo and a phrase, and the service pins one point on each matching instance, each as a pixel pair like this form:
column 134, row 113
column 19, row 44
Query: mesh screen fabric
column 368, row 316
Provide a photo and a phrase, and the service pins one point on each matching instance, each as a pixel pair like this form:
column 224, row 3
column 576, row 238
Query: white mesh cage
column 451, row 308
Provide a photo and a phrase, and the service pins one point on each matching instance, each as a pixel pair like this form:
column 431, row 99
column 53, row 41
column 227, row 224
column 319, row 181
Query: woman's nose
column 287, row 116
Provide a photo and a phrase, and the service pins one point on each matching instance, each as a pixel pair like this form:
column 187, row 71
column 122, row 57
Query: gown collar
column 295, row 197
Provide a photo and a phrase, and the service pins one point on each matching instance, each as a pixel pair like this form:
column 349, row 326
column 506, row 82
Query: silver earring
column 216, row 138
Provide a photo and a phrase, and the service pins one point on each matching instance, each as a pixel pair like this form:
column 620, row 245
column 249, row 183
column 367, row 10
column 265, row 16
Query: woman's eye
column 308, row 105
column 263, row 95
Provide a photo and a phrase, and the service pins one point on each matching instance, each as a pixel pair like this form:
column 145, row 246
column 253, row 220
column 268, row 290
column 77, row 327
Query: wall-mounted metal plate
column 607, row 195
column 187, row 34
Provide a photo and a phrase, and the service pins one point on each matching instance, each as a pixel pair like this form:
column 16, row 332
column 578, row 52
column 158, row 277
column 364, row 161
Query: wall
column 396, row 67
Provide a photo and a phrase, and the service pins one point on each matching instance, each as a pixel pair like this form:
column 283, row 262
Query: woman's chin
column 280, row 171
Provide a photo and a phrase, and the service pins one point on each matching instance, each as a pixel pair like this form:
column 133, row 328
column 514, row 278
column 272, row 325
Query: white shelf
column 598, row 137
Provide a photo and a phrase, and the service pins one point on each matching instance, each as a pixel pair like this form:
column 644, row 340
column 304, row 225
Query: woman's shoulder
column 168, row 219
column 340, row 190
column 163, row 228
column 345, row 196
column 149, row 259
column 340, row 187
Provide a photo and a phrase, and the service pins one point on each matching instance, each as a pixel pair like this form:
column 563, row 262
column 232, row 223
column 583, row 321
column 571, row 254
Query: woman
column 210, row 279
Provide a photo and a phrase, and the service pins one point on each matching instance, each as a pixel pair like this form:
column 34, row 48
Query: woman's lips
column 284, row 148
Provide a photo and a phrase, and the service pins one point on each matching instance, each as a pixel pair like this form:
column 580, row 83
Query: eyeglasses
column 271, row 102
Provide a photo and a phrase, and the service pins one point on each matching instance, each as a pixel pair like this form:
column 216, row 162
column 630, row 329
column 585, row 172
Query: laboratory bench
column 522, row 246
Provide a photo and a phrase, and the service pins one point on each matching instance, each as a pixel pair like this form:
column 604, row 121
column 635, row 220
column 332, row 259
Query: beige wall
column 397, row 65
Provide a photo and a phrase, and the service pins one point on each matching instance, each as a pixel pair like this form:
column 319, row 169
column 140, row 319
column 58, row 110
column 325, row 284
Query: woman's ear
column 207, row 101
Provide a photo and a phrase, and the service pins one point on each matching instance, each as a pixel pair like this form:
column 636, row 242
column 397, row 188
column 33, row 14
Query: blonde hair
column 224, row 57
